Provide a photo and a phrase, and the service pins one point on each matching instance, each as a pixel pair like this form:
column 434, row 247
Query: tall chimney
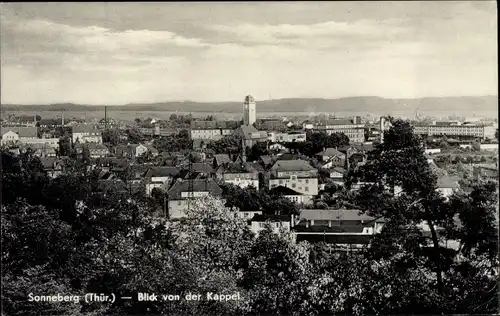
column 382, row 123
column 62, row 118
column 105, row 117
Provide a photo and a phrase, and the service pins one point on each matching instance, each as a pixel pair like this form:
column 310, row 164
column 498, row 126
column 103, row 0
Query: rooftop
column 198, row 185
column 292, row 165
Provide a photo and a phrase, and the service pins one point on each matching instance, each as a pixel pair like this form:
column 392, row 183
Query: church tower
column 249, row 111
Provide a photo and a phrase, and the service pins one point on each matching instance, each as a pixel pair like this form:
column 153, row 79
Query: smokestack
column 106, row 117
column 62, row 118
column 382, row 123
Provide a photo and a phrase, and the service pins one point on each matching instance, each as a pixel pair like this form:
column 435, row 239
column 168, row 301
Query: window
column 245, row 215
column 293, row 185
column 281, row 182
column 293, row 177
column 306, row 189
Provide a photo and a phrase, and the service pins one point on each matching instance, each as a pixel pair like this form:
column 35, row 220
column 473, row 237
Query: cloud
column 316, row 35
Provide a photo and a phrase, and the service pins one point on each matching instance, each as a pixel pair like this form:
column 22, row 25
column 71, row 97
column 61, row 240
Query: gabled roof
column 284, row 191
column 203, row 167
column 250, row 132
column 198, row 185
column 162, row 172
column 22, row 131
column 330, row 152
column 445, row 182
column 292, row 165
column 266, row 159
column 237, row 167
column 222, row 158
column 84, row 129
column 94, row 146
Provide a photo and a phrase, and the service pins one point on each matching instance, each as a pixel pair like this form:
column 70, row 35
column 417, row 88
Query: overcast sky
column 117, row 53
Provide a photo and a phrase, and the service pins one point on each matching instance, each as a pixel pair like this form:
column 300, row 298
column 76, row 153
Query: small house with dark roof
column 251, row 135
column 159, row 177
column 348, row 229
column 266, row 161
column 98, row 150
column 291, row 194
column 183, row 194
column 220, row 159
column 329, row 154
column 276, row 222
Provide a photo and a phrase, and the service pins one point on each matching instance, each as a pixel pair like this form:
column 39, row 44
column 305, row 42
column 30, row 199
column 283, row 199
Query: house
column 337, row 175
column 308, row 125
column 298, row 175
column 130, row 150
column 42, row 142
column 44, row 152
column 277, row 222
column 251, row 135
column 86, row 134
column 220, row 159
column 347, row 229
column 266, row 161
column 485, row 172
column 160, row 177
column 53, row 166
column 291, row 194
column 98, row 150
column 281, row 137
column 331, row 157
column 151, row 150
column 240, row 174
column 278, row 148
column 183, row 194
column 212, row 129
column 353, row 128
column 12, row 135
column 47, row 123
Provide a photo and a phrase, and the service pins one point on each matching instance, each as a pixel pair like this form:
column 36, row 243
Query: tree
column 257, row 150
column 250, row 200
column 111, row 136
column 399, row 162
column 229, row 144
column 476, row 146
column 64, row 146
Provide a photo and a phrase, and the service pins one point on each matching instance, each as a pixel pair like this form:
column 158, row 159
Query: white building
column 86, row 134
column 184, row 193
column 298, row 175
column 249, row 111
column 277, row 137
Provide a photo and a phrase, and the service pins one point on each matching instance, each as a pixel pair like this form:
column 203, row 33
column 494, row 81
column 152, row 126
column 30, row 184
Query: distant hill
column 351, row 104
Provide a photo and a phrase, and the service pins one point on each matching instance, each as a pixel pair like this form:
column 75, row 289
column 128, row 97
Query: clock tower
column 249, row 111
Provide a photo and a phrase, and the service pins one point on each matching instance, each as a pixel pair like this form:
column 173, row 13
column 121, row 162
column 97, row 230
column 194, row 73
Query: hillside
column 351, row 104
